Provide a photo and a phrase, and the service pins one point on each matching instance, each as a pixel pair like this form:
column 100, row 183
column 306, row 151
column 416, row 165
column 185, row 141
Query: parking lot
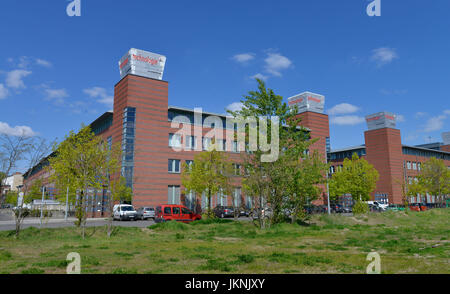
column 7, row 222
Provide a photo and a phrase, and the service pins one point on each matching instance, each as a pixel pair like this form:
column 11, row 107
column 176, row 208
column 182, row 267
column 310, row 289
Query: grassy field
column 407, row 243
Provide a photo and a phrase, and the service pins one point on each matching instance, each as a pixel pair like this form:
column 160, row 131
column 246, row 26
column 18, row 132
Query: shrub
column 360, row 207
column 32, row 271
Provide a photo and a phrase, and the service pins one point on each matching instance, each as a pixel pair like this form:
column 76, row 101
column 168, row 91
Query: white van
column 124, row 212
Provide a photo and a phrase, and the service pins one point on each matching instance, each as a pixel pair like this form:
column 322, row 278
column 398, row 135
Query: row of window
column 174, row 166
column 174, row 197
column 413, row 165
column 190, row 142
column 347, row 154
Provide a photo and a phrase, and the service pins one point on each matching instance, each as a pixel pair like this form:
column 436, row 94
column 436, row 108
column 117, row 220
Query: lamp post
column 42, row 204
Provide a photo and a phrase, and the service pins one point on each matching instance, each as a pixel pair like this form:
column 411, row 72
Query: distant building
column 12, row 183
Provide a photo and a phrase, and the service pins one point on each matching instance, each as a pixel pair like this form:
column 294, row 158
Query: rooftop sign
column 142, row 63
column 446, row 138
column 381, row 120
column 308, row 101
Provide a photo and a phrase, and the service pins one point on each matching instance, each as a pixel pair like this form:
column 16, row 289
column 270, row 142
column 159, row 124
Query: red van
column 179, row 213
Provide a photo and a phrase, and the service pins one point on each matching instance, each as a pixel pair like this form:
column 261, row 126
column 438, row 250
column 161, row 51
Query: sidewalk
column 36, row 220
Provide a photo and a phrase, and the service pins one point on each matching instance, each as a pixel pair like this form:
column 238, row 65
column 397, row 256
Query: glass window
column 185, row 211
column 408, row 165
column 235, row 146
column 191, row 142
column 174, row 195
column 237, row 169
column 174, row 140
column 167, row 210
column 175, row 210
column 237, row 197
column 206, row 143
column 414, row 166
column 174, row 165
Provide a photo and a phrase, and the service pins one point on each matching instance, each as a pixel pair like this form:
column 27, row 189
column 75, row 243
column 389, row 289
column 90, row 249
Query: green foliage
column 210, row 173
column 357, row 177
column 287, row 182
column 360, row 207
column 433, row 178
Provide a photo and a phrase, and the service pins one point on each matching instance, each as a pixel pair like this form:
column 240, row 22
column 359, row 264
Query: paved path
column 61, row 223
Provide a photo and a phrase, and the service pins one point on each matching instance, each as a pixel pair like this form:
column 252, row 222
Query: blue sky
column 57, row 72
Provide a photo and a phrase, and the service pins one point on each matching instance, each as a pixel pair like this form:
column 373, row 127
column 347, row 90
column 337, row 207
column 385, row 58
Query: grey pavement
column 61, row 223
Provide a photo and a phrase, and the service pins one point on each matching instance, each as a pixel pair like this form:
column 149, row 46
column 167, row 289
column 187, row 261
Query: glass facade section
column 128, row 143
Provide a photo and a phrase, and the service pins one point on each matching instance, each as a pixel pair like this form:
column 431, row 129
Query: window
column 237, row 169
column 191, row 142
column 185, row 211
column 235, row 146
column 205, row 202
column 408, row 165
column 190, row 200
column 174, row 166
column 419, row 166
column 175, row 210
column 221, row 145
column 248, row 202
column 167, row 210
column 174, row 195
column 237, row 197
column 221, row 199
column 189, row 163
column 206, row 143
column 414, row 166
column 174, row 140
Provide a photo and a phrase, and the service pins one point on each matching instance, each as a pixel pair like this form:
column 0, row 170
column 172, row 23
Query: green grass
column 407, row 243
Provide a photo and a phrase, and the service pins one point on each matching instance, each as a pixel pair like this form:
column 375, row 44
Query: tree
column 357, row 177
column 29, row 151
column 210, row 172
column 13, row 150
column 303, row 183
column 270, row 181
column 79, row 163
column 118, row 190
column 433, row 178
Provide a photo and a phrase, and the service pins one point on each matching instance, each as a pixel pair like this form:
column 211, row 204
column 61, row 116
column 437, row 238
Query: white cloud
column 275, row 63
column 347, row 120
column 14, row 78
column 259, row 76
column 56, row 95
column 420, row 114
column 236, row 106
column 400, row 118
column 101, row 93
column 384, row 55
column 43, row 62
column 343, row 108
column 435, row 123
column 24, row 62
column 16, row 131
column 3, row 92
column 243, row 58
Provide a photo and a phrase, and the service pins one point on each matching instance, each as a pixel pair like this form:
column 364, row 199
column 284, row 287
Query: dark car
column 224, row 211
column 145, row 213
column 244, row 212
column 337, row 208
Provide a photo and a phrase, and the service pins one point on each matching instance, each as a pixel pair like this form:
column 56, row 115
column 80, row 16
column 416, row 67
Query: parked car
column 124, row 212
column 179, row 213
column 145, row 213
column 223, row 211
column 244, row 212
column 265, row 212
column 375, row 208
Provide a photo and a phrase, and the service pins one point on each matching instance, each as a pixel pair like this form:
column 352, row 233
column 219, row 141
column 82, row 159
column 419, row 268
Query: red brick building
column 157, row 139
column 395, row 162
